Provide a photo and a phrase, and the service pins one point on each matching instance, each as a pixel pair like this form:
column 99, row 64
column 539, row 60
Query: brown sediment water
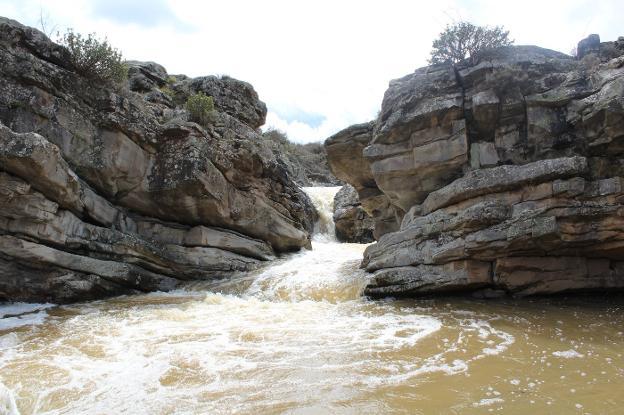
column 297, row 337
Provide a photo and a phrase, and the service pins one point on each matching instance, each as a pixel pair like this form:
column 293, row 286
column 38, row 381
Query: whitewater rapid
column 295, row 336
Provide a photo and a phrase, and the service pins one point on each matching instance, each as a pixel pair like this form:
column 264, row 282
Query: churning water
column 296, row 337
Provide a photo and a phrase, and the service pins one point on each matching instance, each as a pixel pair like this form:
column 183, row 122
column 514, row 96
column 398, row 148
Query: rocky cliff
column 306, row 164
column 107, row 190
column 347, row 162
column 501, row 177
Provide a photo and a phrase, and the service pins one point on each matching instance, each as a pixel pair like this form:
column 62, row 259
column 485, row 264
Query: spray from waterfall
column 323, row 200
column 7, row 402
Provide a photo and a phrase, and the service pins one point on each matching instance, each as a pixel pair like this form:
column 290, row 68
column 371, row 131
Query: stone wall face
column 353, row 224
column 505, row 176
column 345, row 155
column 111, row 189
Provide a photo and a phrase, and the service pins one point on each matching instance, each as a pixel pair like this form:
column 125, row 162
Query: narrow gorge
column 461, row 253
column 298, row 336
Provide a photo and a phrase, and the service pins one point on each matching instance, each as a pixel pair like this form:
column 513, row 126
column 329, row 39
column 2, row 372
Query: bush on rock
column 94, row 58
column 200, row 107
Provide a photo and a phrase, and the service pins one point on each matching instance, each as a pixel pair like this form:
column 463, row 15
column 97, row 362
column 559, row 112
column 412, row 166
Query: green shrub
column 94, row 58
column 167, row 91
column 464, row 41
column 276, row 136
column 200, row 106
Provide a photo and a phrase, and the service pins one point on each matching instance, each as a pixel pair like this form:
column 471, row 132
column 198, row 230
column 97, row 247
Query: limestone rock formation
column 352, row 222
column 306, row 164
column 108, row 190
column 591, row 44
column 506, row 175
column 347, row 162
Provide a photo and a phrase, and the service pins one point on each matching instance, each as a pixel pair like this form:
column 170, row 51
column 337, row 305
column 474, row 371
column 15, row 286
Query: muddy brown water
column 297, row 337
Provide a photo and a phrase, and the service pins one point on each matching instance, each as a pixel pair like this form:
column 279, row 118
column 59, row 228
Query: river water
column 297, row 337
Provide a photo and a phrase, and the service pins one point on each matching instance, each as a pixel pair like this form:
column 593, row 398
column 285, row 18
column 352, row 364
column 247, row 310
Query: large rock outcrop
column 506, row 175
column 347, row 162
column 108, row 190
column 306, row 164
column 352, row 222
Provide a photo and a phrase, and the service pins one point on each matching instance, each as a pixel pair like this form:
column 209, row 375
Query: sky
column 319, row 65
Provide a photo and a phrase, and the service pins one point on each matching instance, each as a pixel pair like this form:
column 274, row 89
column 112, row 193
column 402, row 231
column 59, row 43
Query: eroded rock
column 514, row 162
column 353, row 224
column 346, row 160
column 107, row 190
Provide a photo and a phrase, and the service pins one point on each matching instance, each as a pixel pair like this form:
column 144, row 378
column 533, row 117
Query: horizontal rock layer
column 347, row 162
column 111, row 189
column 505, row 175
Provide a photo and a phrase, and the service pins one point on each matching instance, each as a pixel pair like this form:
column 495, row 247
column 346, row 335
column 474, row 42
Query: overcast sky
column 319, row 65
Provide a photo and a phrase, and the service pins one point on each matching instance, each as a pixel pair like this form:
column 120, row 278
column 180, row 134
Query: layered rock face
column 347, row 162
column 107, row 190
column 306, row 164
column 506, row 175
column 352, row 222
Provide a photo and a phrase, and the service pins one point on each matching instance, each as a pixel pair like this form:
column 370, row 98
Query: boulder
column 425, row 279
column 420, row 140
column 347, row 162
column 352, row 222
column 231, row 96
column 591, row 44
column 146, row 76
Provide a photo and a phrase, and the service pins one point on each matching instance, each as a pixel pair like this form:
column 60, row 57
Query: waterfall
column 323, row 200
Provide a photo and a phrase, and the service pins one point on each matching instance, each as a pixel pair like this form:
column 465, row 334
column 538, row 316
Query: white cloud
column 332, row 59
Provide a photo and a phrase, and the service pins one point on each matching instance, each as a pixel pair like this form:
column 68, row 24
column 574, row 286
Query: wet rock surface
column 111, row 189
column 505, row 176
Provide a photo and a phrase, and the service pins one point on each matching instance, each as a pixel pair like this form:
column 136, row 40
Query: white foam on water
column 489, row 402
column 224, row 347
column 567, row 354
column 507, row 340
column 298, row 333
column 7, row 401
column 14, row 315
column 8, row 340
column 16, row 309
column 9, row 323
column 447, row 361
column 328, row 272
column 323, row 200
column 498, row 340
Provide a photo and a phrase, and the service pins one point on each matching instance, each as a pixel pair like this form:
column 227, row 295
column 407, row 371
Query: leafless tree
column 45, row 25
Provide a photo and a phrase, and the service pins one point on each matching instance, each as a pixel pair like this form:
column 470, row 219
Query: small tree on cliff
column 94, row 58
column 464, row 41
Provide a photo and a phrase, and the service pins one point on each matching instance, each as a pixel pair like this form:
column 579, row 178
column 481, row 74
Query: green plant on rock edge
column 200, row 107
column 94, row 58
